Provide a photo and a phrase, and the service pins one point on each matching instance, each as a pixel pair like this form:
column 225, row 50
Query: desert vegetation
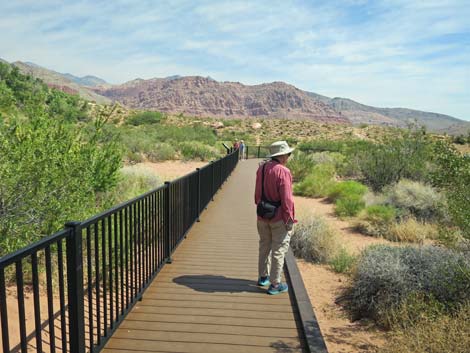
column 411, row 189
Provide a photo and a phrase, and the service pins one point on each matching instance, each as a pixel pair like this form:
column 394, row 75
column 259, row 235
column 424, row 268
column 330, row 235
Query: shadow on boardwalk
column 218, row 284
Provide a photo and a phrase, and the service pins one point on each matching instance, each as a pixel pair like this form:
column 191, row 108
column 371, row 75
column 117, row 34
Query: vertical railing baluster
column 97, row 284
column 50, row 301
column 167, row 221
column 75, row 288
column 63, row 323
column 89, row 286
column 4, row 313
column 21, row 310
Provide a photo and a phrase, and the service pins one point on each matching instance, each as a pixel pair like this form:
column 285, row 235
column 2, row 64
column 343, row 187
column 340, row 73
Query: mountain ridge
column 204, row 96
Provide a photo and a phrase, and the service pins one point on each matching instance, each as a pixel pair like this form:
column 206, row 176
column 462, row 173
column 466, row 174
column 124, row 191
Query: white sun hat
column 279, row 148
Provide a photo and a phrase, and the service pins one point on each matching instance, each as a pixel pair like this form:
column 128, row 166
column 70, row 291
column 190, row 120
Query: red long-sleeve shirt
column 277, row 187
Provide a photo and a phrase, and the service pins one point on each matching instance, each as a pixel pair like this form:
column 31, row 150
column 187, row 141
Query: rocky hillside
column 205, row 97
column 201, row 96
column 360, row 113
column 60, row 81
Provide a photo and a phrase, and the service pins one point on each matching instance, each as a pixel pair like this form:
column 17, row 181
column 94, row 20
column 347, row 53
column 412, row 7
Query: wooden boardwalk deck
column 207, row 299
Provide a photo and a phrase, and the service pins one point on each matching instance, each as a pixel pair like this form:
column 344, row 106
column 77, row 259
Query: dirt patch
column 324, row 286
column 170, row 170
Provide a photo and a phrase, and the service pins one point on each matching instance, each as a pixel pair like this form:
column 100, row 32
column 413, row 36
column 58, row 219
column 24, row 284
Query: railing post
column 259, row 147
column 75, row 288
column 198, row 194
column 167, row 221
column 213, row 179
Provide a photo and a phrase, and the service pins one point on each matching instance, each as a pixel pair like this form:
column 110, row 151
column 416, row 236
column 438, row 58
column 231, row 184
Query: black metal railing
column 96, row 270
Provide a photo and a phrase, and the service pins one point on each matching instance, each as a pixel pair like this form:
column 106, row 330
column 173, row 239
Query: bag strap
column 262, row 185
column 263, row 197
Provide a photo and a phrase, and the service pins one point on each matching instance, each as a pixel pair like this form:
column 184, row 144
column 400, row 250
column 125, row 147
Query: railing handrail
column 11, row 258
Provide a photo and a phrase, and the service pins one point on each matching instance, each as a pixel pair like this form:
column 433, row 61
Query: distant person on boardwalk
column 242, row 150
column 275, row 209
column 236, row 145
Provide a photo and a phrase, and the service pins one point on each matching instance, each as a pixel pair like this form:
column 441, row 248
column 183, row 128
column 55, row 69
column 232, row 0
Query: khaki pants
column 273, row 245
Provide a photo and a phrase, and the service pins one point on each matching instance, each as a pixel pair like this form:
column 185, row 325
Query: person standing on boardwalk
column 276, row 216
column 242, row 149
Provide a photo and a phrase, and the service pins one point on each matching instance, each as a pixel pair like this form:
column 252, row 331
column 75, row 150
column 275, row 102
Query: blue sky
column 386, row 53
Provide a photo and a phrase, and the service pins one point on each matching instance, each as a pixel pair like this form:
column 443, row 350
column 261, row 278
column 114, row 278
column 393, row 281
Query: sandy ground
column 170, row 170
column 324, row 286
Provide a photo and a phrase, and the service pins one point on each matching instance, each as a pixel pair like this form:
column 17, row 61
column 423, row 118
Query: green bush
column 197, row 150
column 396, row 158
column 343, row 261
column 162, row 152
column 313, row 240
column 51, row 172
column 133, row 181
column 375, row 220
column 145, row 118
column 349, row 206
column 453, row 176
column 386, row 276
column 300, row 165
column 415, row 198
column 347, row 189
column 318, row 182
column 411, row 230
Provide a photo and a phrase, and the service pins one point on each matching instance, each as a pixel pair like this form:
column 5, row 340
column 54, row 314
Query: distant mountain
column 206, row 97
column 360, row 113
column 59, row 81
column 203, row 96
column 91, row 81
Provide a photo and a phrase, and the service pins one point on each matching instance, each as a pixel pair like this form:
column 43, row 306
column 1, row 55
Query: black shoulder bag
column 266, row 209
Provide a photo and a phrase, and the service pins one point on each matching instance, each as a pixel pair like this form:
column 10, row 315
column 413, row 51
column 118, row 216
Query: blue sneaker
column 263, row 281
column 280, row 288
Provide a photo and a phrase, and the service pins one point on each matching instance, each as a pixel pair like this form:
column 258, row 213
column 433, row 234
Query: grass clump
column 318, row 183
column 412, row 231
column 343, row 261
column 191, row 150
column 162, row 152
column 145, row 118
column 417, row 199
column 314, row 241
column 300, row 165
column 348, row 197
column 441, row 333
column 375, row 220
column 386, row 276
column 133, row 181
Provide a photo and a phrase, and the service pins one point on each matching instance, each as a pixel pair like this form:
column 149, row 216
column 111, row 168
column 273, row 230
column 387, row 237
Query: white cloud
column 387, row 52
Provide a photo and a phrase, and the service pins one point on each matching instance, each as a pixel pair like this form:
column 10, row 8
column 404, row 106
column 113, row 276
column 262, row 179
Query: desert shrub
column 300, row 165
column 144, row 118
column 347, row 189
column 396, row 158
column 313, row 240
column 386, row 276
column 453, row 175
column 51, row 172
column 162, row 152
column 411, row 230
column 334, row 158
column 318, row 182
column 343, row 261
column 375, row 220
column 197, row 150
column 418, row 199
column 133, row 181
column 349, row 206
column 433, row 332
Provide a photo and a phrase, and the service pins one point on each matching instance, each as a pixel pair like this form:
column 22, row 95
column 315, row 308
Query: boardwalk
column 207, row 300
